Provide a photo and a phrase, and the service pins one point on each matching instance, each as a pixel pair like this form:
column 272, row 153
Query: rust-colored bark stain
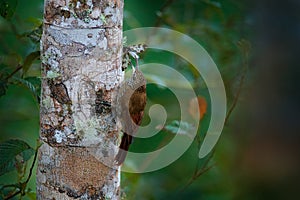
column 117, row 3
column 79, row 172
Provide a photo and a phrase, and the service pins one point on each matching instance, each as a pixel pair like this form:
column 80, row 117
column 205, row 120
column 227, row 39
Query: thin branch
column 32, row 165
column 236, row 98
column 199, row 172
column 193, row 178
column 19, row 67
column 204, row 170
column 242, row 81
column 198, row 139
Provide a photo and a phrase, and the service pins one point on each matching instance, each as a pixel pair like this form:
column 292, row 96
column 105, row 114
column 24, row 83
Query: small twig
column 199, row 172
column 204, row 170
column 193, row 178
column 32, row 165
column 15, row 71
column 242, row 80
column 236, row 98
column 198, row 139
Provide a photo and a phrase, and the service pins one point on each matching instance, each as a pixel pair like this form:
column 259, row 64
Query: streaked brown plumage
column 136, row 106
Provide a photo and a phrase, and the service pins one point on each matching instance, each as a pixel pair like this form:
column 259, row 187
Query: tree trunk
column 81, row 51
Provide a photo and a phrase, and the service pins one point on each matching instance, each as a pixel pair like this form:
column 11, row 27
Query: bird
column 132, row 100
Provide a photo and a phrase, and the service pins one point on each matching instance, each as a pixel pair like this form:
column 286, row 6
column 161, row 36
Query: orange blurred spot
column 202, row 106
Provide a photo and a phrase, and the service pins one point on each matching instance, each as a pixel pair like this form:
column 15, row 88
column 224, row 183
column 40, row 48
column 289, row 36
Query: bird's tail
column 123, row 149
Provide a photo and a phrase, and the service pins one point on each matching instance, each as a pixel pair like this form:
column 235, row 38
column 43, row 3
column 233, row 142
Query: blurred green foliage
column 19, row 89
column 219, row 26
column 222, row 28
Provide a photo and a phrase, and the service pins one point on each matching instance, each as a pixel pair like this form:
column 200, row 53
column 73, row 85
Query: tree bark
column 81, row 50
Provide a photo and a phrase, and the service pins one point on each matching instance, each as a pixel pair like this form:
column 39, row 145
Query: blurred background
column 255, row 45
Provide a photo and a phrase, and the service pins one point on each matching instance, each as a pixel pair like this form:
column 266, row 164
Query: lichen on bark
column 81, row 53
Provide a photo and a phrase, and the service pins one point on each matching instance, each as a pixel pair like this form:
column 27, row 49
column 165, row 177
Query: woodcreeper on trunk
column 131, row 102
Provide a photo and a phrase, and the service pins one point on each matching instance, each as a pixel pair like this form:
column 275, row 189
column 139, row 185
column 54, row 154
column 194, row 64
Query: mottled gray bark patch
column 81, row 53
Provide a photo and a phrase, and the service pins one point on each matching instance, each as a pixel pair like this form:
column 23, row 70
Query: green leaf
column 12, row 153
column 32, row 83
column 29, row 60
column 5, row 190
column 35, row 81
column 8, row 8
column 31, row 195
column 35, row 34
